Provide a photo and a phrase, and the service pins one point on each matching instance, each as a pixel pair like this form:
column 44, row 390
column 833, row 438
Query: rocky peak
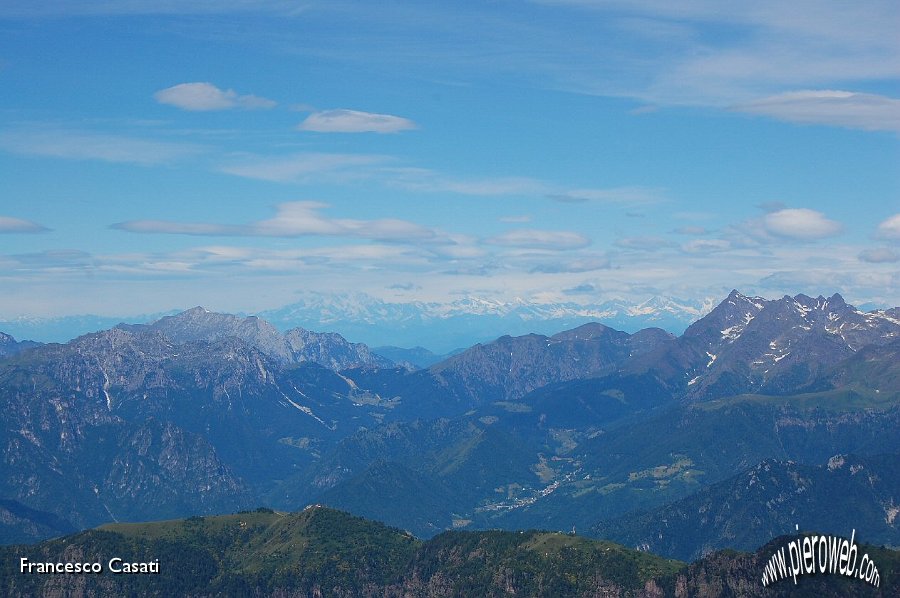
column 774, row 346
column 10, row 346
column 331, row 350
column 589, row 331
column 727, row 321
column 199, row 324
column 295, row 346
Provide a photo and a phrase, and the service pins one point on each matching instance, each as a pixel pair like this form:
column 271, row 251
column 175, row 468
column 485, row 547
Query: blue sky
column 235, row 154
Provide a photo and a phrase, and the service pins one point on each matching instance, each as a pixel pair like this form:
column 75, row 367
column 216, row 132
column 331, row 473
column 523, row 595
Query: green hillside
column 324, row 552
column 320, row 550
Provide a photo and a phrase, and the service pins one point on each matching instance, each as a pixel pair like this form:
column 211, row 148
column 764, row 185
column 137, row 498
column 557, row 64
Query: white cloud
column 801, row 224
column 880, row 255
column 84, row 145
column 890, row 228
column 540, row 239
column 294, row 219
column 354, row 121
column 9, row 224
column 830, row 107
column 202, row 97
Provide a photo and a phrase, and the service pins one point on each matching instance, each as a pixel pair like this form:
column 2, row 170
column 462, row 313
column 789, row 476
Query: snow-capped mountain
column 462, row 322
column 773, row 346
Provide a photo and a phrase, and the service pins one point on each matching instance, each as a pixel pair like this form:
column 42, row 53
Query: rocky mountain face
column 511, row 367
column 749, row 344
column 124, row 423
column 747, row 510
column 20, row 524
column 294, row 346
column 876, row 367
column 10, row 346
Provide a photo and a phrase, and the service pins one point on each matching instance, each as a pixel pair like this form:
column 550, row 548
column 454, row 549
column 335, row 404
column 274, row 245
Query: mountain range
column 614, row 433
column 441, row 326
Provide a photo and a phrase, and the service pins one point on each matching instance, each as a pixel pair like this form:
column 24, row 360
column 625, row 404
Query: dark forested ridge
column 323, row 552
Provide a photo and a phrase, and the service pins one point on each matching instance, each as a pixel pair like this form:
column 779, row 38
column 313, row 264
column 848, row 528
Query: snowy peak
column 820, row 303
column 749, row 344
column 445, row 326
column 657, row 306
column 735, row 297
column 728, row 320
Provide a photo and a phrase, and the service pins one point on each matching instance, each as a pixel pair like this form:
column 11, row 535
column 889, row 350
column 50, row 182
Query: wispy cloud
column 422, row 179
column 623, row 195
column 354, row 121
column 53, row 261
column 780, row 63
column 540, row 239
column 644, row 243
column 706, row 245
column 691, row 230
column 404, row 286
column 8, row 224
column 89, row 145
column 202, row 97
column 426, row 180
column 293, row 219
column 300, row 167
column 587, row 263
column 830, row 107
column 654, row 51
column 391, row 172
column 582, row 289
